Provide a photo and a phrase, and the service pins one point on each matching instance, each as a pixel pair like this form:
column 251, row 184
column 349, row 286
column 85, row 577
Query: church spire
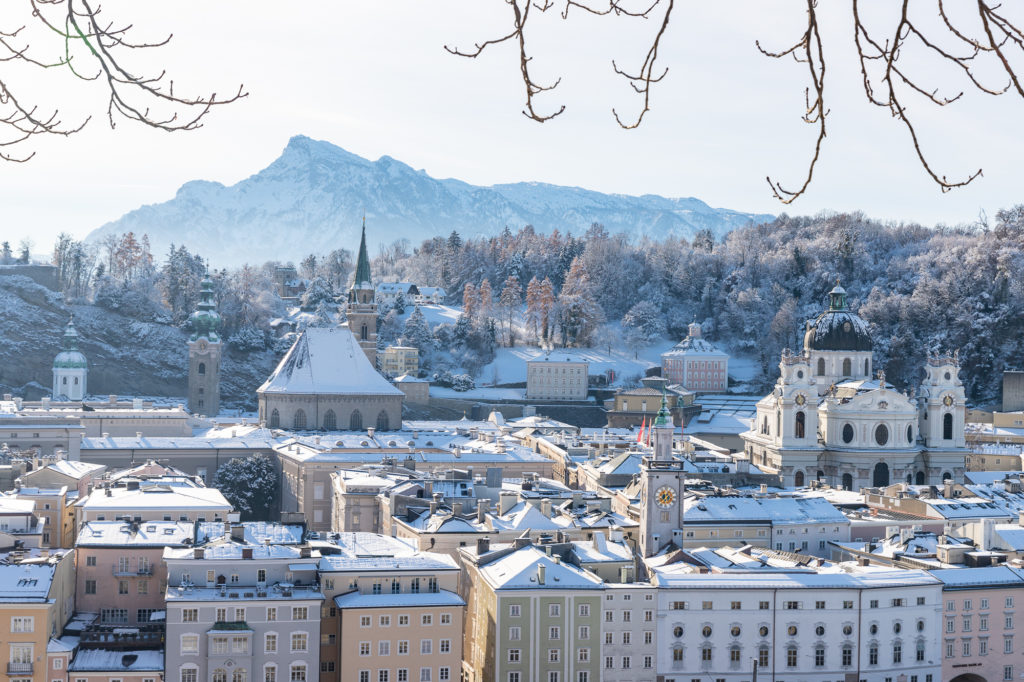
column 362, row 262
column 205, row 320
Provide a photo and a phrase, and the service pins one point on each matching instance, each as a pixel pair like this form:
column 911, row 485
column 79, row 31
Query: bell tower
column 70, row 369
column 662, row 486
column 204, row 353
column 361, row 309
column 943, row 403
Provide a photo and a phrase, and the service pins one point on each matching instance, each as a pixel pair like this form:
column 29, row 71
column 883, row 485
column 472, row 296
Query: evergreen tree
column 533, row 308
column 511, row 298
column 580, row 312
column 399, row 304
column 417, row 332
column 643, row 324
column 318, row 290
column 323, row 317
column 250, row 485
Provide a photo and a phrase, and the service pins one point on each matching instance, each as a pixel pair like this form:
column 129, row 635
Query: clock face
column 665, row 497
column 800, row 399
column 947, row 401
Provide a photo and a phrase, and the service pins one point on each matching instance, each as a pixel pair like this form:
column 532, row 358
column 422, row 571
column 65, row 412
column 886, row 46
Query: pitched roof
column 362, row 262
column 327, row 361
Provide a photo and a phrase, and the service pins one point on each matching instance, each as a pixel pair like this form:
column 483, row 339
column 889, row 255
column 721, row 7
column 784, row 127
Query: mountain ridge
column 311, row 199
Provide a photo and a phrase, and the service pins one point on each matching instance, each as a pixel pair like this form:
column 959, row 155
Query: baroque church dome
column 70, row 357
column 837, row 328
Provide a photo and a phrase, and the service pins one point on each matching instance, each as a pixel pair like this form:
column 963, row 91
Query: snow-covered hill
column 312, row 198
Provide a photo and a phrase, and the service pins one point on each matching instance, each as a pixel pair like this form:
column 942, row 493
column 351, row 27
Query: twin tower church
column 327, row 380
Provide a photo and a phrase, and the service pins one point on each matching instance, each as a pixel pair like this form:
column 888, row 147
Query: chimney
column 238, row 532
column 369, row 431
column 764, row 487
column 435, row 503
column 540, row 574
column 138, row 434
column 481, row 510
column 545, row 507
column 46, row 402
column 112, row 399
column 483, row 546
column 577, row 500
column 136, row 403
column 247, row 552
column 506, row 500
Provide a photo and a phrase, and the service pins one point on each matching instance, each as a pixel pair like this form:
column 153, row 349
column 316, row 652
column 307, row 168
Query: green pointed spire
column 362, row 262
column 664, row 417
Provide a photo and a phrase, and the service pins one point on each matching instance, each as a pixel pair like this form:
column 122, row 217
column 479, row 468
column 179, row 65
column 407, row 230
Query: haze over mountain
column 312, row 199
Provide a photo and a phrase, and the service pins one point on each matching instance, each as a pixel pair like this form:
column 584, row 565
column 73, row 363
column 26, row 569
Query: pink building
column 980, row 641
column 695, row 364
column 120, row 570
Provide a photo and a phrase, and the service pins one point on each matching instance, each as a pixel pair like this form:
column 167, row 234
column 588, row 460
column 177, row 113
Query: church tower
column 204, row 351
column 70, row 369
column 942, row 412
column 662, row 487
column 361, row 309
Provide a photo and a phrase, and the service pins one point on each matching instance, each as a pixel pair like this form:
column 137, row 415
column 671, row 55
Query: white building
column 696, row 364
column 557, row 376
column 828, row 419
column 431, row 296
column 70, row 368
column 242, row 611
column 798, row 623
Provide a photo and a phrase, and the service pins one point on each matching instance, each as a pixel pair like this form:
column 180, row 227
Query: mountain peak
column 310, row 200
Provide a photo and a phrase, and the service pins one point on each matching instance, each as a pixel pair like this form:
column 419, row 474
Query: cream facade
column 556, row 377
column 398, row 360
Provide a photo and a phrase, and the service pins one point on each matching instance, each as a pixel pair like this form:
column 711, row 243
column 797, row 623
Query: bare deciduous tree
column 978, row 36
column 74, row 35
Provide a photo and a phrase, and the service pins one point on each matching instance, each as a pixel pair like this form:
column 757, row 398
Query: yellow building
column 398, row 360
column 37, row 595
column 634, row 406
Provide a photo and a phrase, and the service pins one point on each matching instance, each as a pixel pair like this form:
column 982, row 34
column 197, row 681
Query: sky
column 373, row 77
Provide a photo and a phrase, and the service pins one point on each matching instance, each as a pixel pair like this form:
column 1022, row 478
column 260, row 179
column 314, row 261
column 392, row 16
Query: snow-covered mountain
column 312, row 198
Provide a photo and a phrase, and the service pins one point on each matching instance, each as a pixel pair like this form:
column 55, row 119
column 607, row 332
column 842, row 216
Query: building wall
column 204, row 377
column 1013, row 391
column 979, row 634
column 103, row 583
column 415, row 391
column 315, row 407
column 697, row 372
column 556, row 380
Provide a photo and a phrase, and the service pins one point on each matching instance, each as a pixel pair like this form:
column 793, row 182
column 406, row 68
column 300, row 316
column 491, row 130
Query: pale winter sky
column 372, row 77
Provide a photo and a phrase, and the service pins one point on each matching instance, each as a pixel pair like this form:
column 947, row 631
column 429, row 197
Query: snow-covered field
column 509, row 365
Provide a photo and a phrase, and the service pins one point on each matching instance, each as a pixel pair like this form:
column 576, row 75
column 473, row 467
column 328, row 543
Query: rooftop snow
column 779, row 510
column 102, row 660
column 119, row 533
column 518, row 571
column 359, row 600
column 325, row 361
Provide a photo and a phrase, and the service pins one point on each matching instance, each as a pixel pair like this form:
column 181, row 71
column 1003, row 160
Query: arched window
column 821, row 367
column 330, row 420
column 299, row 421
column 202, row 368
column 910, row 434
column 847, row 367
column 798, row 479
column 363, row 332
column 270, row 673
column 76, row 381
column 847, row 482
column 847, row 433
column 187, row 673
column 881, row 434
column 799, row 427
column 867, row 367
column 275, row 419
column 239, row 675
column 920, row 478
column 880, row 475
column 946, row 475
column 355, row 422
column 220, row 675
column 947, row 426
column 65, row 382
column 383, row 423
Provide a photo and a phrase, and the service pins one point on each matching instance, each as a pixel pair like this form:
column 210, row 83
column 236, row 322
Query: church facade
column 830, row 419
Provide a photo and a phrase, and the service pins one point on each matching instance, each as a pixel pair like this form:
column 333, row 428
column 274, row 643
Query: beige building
column 636, row 406
column 55, row 507
column 37, row 593
column 398, row 360
column 153, row 501
column 557, row 376
column 392, row 613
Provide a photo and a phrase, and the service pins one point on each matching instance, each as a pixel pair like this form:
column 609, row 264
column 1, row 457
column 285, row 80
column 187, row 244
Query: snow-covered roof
column 519, row 571
column 694, row 346
column 11, row 506
column 778, row 510
column 838, row 577
column 121, row 533
column 74, row 468
column 255, row 532
column 395, row 287
column 27, row 579
column 327, row 361
column 102, row 660
column 371, row 551
column 361, row 600
column 409, row 379
column 980, row 576
column 599, row 550
column 156, row 497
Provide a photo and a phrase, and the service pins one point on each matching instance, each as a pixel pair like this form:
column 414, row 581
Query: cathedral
column 830, row 419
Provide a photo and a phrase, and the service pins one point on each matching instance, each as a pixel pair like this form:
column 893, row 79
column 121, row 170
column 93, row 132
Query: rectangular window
column 427, row 619
column 270, row 643
column 584, row 632
column 446, row 619
column 514, row 633
column 364, row 648
column 513, row 655
column 403, row 647
column 90, row 587
column 554, row 610
column 1008, row 645
column 762, row 657
column 190, row 644
column 513, row 610
column 300, row 613
column 383, row 648
column 764, row 606
column 584, row 609
column 298, row 673
column 426, row 646
column 189, row 615
column 791, row 657
column 272, row 613
column 22, row 624
column 444, row 646
column 554, row 655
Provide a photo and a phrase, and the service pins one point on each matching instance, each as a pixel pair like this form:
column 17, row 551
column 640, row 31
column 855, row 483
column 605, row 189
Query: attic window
column 150, row 529
column 27, row 582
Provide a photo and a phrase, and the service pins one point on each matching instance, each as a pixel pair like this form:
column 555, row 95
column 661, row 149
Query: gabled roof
column 327, row 361
column 518, row 571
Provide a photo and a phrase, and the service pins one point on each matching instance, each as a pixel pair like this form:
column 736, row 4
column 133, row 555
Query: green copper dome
column 70, row 357
column 664, row 417
column 205, row 320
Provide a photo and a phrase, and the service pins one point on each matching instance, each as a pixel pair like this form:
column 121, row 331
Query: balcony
column 120, row 637
column 127, row 572
column 19, row 668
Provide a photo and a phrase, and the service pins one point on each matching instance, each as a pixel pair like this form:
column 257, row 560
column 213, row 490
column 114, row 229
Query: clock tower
column 204, row 351
column 662, row 487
